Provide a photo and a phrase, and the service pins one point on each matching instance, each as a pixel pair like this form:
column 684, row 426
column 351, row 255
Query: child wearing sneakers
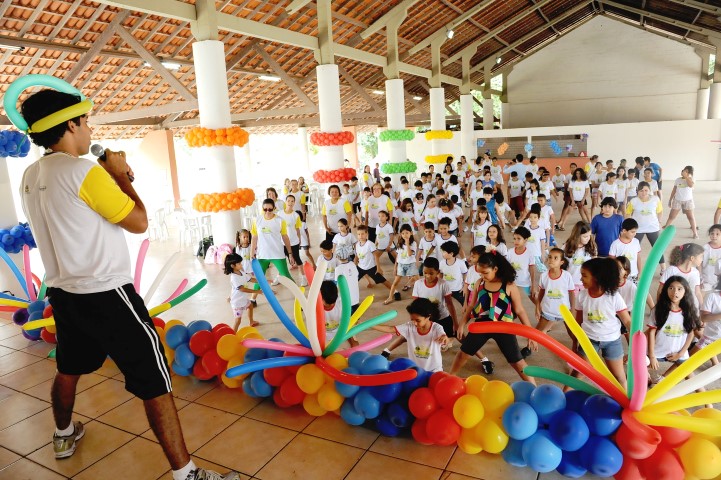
column 365, row 260
column 453, row 270
column 626, row 245
column 556, row 288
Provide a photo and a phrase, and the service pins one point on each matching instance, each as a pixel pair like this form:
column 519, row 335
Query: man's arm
column 137, row 220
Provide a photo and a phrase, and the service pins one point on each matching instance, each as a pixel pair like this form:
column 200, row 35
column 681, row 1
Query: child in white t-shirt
column 711, row 318
column 349, row 270
column 480, row 227
column 453, row 270
column 627, row 245
column 405, row 267
column 711, row 258
column 365, row 259
column 556, row 288
column 332, row 310
column 343, row 241
column 430, row 213
column 685, row 260
column 384, row 239
column 523, row 262
column 239, row 299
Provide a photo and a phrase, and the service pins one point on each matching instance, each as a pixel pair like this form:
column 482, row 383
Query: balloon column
column 13, row 239
column 404, row 135
column 333, row 176
column 14, row 144
column 402, row 167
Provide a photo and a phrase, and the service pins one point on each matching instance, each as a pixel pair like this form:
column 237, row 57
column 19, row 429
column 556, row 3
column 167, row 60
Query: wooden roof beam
column 660, row 18
column 296, row 5
column 661, row 33
column 147, row 112
column 283, row 75
column 399, row 9
column 702, row 7
column 98, row 45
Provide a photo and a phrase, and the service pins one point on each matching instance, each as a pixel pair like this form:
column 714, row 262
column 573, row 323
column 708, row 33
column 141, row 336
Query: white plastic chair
column 206, row 226
column 188, row 227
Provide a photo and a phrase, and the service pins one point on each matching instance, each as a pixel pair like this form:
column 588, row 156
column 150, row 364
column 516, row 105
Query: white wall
column 605, row 72
column 672, row 145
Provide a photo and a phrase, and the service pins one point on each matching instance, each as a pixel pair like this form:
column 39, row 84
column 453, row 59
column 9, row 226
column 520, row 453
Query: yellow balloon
column 328, row 398
column 56, row 118
column 468, row 442
column 161, row 334
column 700, row 458
column 236, row 360
column 298, row 317
column 228, row 346
column 337, row 361
column 496, row 397
column 685, row 401
column 51, row 329
column 172, row 323
column 475, row 384
column 155, row 311
column 705, row 426
column 491, row 436
column 311, row 405
column 235, row 382
column 241, row 333
column 365, row 305
column 14, row 303
column 310, row 378
column 468, row 411
column 39, row 323
column 251, row 335
column 169, row 356
column 710, row 414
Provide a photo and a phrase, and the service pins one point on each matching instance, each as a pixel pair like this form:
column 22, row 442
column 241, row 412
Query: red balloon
column 213, row 364
column 47, row 336
column 448, row 390
column 441, row 427
column 673, row 437
column 435, row 378
column 630, row 470
column 158, row 322
column 278, row 399
column 221, row 332
column 422, row 403
column 290, row 392
column 418, row 430
column 201, row 342
column 664, row 464
column 275, row 376
column 48, row 311
column 220, row 326
column 373, row 380
column 635, row 446
column 200, row 372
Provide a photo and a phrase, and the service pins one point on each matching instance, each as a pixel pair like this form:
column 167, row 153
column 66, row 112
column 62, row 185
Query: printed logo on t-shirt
column 674, row 330
column 331, row 325
column 266, row 230
column 516, row 266
column 422, row 351
column 596, row 316
column 448, row 277
column 333, row 211
column 554, row 294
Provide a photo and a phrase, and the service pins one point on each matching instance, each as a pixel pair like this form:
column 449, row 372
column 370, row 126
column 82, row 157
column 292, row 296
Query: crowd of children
column 422, row 225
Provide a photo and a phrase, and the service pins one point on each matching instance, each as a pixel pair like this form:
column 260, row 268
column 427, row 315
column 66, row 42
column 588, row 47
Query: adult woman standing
column 270, row 234
column 334, row 209
column 646, row 209
column 376, row 203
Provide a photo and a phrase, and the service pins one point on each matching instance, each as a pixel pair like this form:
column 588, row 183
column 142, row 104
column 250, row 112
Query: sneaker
column 203, row 474
column 386, row 354
column 487, row 366
column 65, row 446
column 255, row 304
column 465, row 229
column 397, row 296
column 526, row 352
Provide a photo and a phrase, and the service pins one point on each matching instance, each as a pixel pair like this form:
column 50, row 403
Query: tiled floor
column 225, row 429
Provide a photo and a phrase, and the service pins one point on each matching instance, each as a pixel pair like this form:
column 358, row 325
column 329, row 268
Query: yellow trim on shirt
column 100, row 192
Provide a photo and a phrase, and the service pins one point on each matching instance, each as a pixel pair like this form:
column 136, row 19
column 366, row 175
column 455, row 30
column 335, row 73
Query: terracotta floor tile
column 109, row 369
column 28, row 377
column 334, row 428
column 99, row 440
column 7, row 457
column 456, row 476
column 18, row 407
column 18, row 342
column 130, row 416
column 6, row 392
column 487, row 466
column 40, row 349
column 200, row 425
column 294, row 418
column 140, row 459
column 408, row 449
column 204, row 464
column 26, row 470
column 239, row 448
column 42, row 390
column 374, row 465
column 191, row 389
column 309, row 457
column 16, row 361
column 228, row 400
column 101, row 398
column 32, row 433
column 5, row 350
column 9, row 330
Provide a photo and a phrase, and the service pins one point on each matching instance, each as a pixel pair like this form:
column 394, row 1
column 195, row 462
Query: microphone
column 97, row 150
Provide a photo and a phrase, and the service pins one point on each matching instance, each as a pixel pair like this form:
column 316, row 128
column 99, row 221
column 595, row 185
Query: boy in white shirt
column 453, row 270
column 332, row 310
column 384, row 239
column 627, row 245
column 609, row 187
column 365, row 259
column 326, row 250
column 349, row 270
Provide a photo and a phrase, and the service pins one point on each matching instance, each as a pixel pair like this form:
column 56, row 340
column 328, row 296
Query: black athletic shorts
column 507, row 344
column 373, row 273
column 115, row 323
column 295, row 253
column 356, row 207
column 447, row 324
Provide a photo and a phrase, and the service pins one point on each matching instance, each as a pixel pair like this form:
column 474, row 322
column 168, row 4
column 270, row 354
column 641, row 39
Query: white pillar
column 505, row 115
column 487, row 113
column 714, row 102
column 468, row 143
column 8, row 219
column 702, row 103
column 216, row 165
column 438, row 117
column 331, row 158
column 303, row 147
column 396, row 116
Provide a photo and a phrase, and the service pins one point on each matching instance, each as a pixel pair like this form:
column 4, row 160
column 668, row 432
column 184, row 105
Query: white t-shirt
column 556, row 292
column 269, row 234
column 332, row 320
column 515, row 188
column 330, row 268
column 599, row 315
column 292, row 219
column 501, row 249
column 684, row 193
column 431, row 215
column 350, row 272
column 247, row 257
column 479, row 233
column 503, row 209
column 441, row 241
column 628, row 293
column 538, row 235
column 578, row 189
column 436, row 294
column 472, row 277
column 239, row 299
column 710, row 265
column 409, row 193
column 496, row 174
column 559, row 181
column 546, row 212
column 630, row 250
column 693, row 277
column 454, row 190
column 354, row 194
column 580, row 256
column 712, row 304
column 670, row 338
column 449, row 214
column 475, row 195
column 596, row 178
column 344, row 243
column 531, row 198
column 335, row 211
column 545, row 188
column 608, row 190
column 375, row 205
column 521, row 263
column 364, row 253
column 403, row 257
column 653, row 184
column 404, row 218
column 383, row 236
column 633, row 186
column 426, row 245
column 423, row 349
column 645, row 213
column 622, row 187
column 453, row 274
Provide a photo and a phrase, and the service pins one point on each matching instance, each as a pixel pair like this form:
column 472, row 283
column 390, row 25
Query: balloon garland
column 397, row 135
column 556, row 147
column 221, row 202
column 333, row 176
column 326, row 139
column 400, row 167
column 14, row 143
column 13, row 239
column 502, row 148
column 439, row 135
column 438, row 158
column 208, row 137
column 528, row 147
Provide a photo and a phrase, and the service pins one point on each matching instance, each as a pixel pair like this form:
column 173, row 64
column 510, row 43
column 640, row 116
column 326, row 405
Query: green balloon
column 344, row 316
column 562, row 378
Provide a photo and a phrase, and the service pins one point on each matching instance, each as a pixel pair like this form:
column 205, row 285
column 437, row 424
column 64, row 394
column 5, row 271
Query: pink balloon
column 28, row 274
column 368, row 345
column 640, row 371
column 139, row 264
column 320, row 321
column 283, row 347
column 177, row 291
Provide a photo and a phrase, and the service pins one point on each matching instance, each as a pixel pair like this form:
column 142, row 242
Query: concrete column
column 487, row 113
column 216, row 165
column 331, row 158
column 8, row 219
column 468, row 142
column 303, row 147
column 505, row 115
column 396, row 117
column 438, row 117
column 702, row 103
column 714, row 103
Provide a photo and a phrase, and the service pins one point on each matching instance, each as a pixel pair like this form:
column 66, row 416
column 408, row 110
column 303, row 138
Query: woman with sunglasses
column 269, row 236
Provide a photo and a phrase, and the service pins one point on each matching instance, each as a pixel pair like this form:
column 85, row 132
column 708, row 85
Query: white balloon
column 693, row 383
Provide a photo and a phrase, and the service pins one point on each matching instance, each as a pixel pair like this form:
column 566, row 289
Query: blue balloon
column 414, row 384
column 522, row 391
column 184, row 357
column 399, row 415
column 20, row 316
column 17, row 231
column 520, row 421
column 182, row 371
column 367, row 404
column 602, row 414
column 373, row 362
column 11, row 147
column 513, row 453
column 33, row 334
column 356, row 359
column 177, row 335
column 401, row 363
column 350, row 415
column 575, row 400
column 3, row 137
column 25, row 147
column 260, row 387
column 36, row 315
column 8, row 239
column 541, row 454
column 248, row 388
column 386, row 393
column 386, row 426
column 601, row 457
column 571, row 465
column 546, row 400
column 344, row 389
column 3, row 152
column 198, row 325
column 568, row 430
column 253, row 354
column 36, row 306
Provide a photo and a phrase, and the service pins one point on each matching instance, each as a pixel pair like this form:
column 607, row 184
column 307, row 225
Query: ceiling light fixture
column 269, row 78
column 498, row 60
column 168, row 65
column 378, row 92
column 449, row 33
column 417, row 98
column 16, row 48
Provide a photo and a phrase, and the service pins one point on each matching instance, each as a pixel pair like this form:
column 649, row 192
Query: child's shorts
column 610, row 350
column 406, row 269
column 373, row 273
column 447, row 324
column 238, row 312
column 705, row 342
column 507, row 344
column 526, row 290
column 552, row 318
column 677, row 362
